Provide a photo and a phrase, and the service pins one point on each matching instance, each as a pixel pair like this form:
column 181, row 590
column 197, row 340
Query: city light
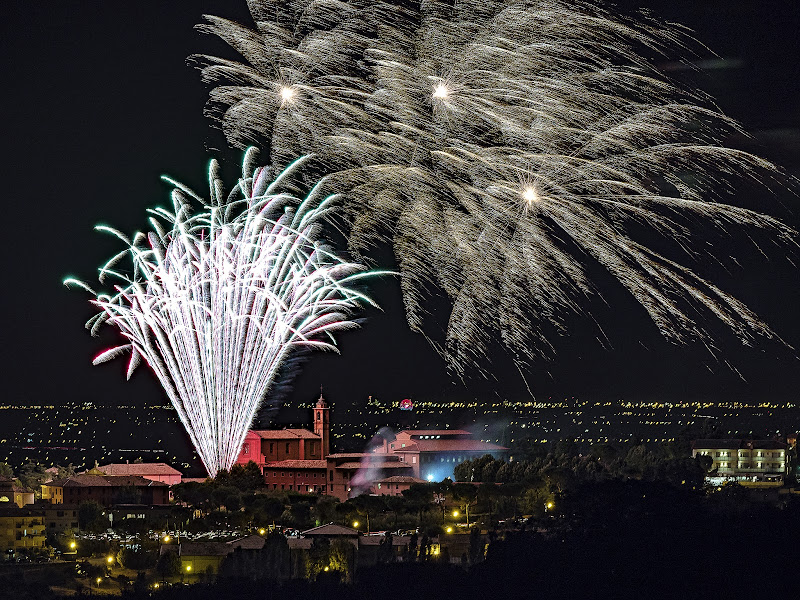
column 326, row 569
column 456, row 513
column 72, row 545
column 167, row 539
column 355, row 524
column 262, row 531
column 188, row 568
column 110, row 559
column 449, row 530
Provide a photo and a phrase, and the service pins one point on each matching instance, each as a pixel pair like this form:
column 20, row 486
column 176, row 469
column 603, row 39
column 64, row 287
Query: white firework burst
column 504, row 149
column 217, row 300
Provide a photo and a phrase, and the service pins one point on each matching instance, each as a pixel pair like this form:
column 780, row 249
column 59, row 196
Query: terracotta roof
column 450, row 446
column 296, row 464
column 389, row 464
column 349, row 455
column 142, row 469
column 333, row 530
column 284, row 434
column 105, row 481
column 737, row 444
column 400, row 479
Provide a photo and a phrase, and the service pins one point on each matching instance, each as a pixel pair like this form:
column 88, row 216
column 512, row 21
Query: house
column 11, row 492
column 21, row 528
column 59, row 518
column 434, row 453
column 354, row 473
column 106, row 490
column 394, row 485
column 744, row 460
column 153, row 471
column 205, row 558
column 307, row 476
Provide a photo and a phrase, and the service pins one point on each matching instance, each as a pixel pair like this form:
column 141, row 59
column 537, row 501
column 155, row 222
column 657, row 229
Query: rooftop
column 284, row 434
column 332, row 529
column 737, row 444
column 296, row 464
column 138, row 469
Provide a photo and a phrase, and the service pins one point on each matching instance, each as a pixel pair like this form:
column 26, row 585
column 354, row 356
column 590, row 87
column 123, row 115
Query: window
column 319, row 416
column 245, row 448
column 287, row 447
column 331, row 477
column 272, row 447
column 283, row 474
column 413, row 459
column 274, row 473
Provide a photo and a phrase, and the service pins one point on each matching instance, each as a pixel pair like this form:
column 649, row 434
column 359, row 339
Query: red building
column 432, row 454
column 299, row 460
column 267, row 446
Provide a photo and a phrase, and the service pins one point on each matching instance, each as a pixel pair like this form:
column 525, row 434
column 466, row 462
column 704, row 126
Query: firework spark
column 501, row 148
column 218, row 300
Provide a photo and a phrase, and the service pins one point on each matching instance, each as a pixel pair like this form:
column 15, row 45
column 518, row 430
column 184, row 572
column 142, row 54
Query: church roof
column 284, row 434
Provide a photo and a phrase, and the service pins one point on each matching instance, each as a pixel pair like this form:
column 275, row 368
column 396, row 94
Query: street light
column 110, row 560
column 167, row 539
column 456, row 513
column 262, row 531
column 355, row 524
column 449, row 530
column 72, row 545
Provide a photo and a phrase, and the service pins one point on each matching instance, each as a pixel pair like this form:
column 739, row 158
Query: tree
column 465, row 494
column 168, row 565
column 90, row 516
column 6, row 470
column 418, row 499
column 32, row 476
column 367, row 506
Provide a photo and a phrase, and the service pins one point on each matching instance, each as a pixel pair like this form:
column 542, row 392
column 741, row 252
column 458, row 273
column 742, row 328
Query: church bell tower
column 322, row 424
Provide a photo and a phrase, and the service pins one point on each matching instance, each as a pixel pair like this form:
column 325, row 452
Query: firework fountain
column 219, row 300
column 503, row 150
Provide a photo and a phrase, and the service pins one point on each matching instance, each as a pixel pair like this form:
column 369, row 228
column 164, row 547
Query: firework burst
column 504, row 150
column 219, row 299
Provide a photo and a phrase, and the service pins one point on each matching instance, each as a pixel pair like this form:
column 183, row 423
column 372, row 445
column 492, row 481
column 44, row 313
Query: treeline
column 565, row 464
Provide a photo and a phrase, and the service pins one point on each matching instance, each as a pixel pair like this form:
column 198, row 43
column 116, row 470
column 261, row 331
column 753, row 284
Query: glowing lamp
column 110, row 559
column 456, row 513
column 355, row 523
column 188, row 568
column 449, row 530
column 262, row 531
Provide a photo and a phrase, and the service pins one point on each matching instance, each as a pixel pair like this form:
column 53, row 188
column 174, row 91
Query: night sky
column 98, row 102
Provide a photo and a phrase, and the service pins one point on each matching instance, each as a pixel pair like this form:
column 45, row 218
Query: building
column 434, row 453
column 205, row 558
column 394, row 485
column 21, row 529
column 59, row 518
column 265, row 446
column 307, row 476
column 106, row 490
column 355, row 473
column 153, row 471
column 744, row 460
column 13, row 493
